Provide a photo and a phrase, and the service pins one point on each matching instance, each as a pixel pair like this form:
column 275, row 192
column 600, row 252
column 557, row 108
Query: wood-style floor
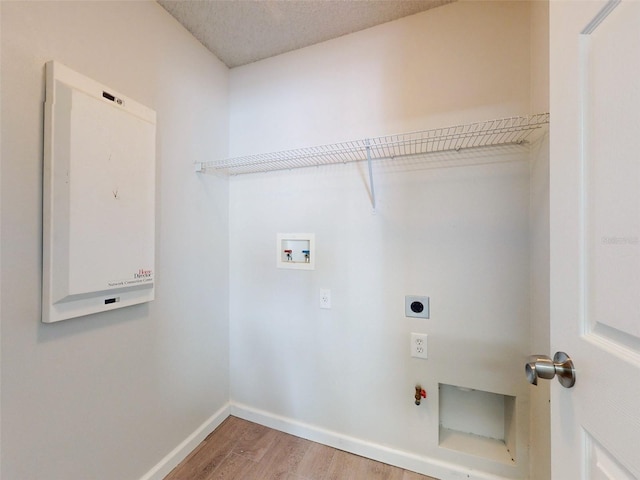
column 242, row 450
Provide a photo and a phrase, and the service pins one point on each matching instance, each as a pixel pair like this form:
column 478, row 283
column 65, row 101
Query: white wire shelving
column 498, row 132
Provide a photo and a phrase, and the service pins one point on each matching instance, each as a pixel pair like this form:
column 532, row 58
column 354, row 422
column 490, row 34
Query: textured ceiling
column 244, row 31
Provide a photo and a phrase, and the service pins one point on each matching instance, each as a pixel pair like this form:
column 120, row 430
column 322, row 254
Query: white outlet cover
column 325, row 298
column 418, row 347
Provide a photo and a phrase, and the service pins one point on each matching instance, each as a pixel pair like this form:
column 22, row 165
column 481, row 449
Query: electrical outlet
column 419, row 345
column 416, row 306
column 325, row 298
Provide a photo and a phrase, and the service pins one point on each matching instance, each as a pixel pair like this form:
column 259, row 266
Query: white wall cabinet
column 99, row 198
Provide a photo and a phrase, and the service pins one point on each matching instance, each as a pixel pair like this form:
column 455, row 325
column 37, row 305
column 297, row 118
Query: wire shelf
column 490, row 133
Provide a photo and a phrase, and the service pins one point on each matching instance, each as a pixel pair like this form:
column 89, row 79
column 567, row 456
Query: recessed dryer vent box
column 478, row 423
column 296, row 251
column 98, row 199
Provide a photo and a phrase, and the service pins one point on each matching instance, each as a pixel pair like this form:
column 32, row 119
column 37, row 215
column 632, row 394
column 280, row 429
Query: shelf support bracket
column 371, row 188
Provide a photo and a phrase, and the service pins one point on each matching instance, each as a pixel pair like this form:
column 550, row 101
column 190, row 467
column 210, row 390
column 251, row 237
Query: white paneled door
column 595, row 237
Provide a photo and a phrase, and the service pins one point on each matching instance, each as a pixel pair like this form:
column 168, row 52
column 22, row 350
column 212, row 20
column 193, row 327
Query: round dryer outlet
column 416, row 306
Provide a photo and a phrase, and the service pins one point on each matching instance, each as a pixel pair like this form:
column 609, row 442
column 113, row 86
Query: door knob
column 541, row 366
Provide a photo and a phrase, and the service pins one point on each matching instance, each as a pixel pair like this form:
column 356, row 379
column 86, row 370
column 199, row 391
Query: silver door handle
column 541, row 366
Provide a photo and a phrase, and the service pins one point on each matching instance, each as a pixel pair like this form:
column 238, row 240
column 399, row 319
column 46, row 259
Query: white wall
column 458, row 235
column 108, row 396
column 460, row 63
column 80, row 396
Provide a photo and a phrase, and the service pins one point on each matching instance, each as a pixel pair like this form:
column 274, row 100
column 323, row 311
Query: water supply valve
column 420, row 394
column 307, row 255
column 289, row 257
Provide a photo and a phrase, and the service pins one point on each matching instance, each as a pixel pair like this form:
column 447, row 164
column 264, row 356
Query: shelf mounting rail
column 490, row 133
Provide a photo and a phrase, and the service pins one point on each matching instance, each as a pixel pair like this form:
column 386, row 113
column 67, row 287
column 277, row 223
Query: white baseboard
column 406, row 460
column 168, row 463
